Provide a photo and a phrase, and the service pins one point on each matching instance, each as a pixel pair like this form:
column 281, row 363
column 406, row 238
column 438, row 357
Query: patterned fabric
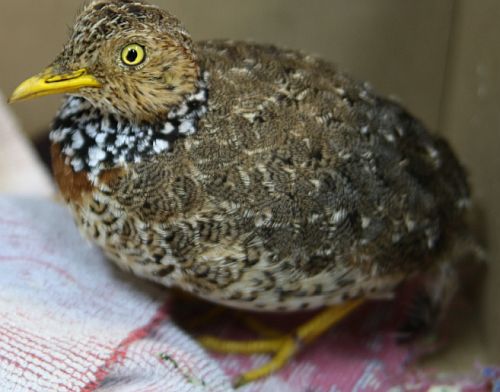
column 70, row 321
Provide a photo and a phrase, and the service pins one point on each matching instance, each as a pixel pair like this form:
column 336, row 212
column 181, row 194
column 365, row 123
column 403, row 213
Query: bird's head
column 124, row 56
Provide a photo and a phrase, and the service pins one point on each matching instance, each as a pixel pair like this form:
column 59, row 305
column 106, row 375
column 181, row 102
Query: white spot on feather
column 339, row 217
column 121, row 140
column 187, row 128
column 91, row 130
column 200, row 96
column 167, row 128
column 160, row 146
column 100, row 138
column 182, row 110
column 68, row 151
column 250, row 117
column 77, row 140
column 410, row 224
column 96, row 156
column 77, row 164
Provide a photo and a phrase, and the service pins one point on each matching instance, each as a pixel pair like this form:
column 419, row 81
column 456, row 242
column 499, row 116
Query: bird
column 253, row 176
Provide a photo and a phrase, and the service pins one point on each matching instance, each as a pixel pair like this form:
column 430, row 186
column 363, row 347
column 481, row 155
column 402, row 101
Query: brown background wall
column 441, row 58
column 471, row 120
column 400, row 46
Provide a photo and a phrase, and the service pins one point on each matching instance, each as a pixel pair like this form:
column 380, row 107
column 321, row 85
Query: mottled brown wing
column 298, row 163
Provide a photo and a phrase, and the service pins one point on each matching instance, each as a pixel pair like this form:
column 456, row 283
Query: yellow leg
column 283, row 347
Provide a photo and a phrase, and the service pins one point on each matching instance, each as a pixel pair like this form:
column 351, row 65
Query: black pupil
column 132, row 55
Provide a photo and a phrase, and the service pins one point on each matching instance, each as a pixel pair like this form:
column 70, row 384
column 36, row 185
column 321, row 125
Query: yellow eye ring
column 133, row 55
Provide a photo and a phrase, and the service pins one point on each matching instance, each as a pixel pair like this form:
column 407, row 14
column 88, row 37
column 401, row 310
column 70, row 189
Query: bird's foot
column 282, row 347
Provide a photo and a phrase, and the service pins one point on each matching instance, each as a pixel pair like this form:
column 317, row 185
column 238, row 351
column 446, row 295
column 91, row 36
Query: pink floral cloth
column 70, row 321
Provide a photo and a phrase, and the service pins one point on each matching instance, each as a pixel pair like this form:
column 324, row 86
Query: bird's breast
column 73, row 186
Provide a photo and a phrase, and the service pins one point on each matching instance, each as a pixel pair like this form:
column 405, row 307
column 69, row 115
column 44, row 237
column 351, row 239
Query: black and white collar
column 92, row 141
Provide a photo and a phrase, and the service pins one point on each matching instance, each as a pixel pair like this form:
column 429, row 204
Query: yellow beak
column 48, row 83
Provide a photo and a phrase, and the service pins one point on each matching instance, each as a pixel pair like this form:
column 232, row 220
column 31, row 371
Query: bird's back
column 300, row 184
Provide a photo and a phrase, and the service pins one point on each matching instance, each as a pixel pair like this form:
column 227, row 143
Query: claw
column 284, row 347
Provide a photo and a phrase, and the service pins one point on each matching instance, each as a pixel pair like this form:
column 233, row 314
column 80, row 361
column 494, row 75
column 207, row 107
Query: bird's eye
column 133, row 54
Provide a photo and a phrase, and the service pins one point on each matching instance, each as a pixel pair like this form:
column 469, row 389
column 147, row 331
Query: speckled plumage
column 297, row 187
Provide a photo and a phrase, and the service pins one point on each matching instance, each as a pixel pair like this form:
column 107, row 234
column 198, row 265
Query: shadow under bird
column 252, row 176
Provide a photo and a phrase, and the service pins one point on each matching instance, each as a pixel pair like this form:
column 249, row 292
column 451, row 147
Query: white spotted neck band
column 92, row 141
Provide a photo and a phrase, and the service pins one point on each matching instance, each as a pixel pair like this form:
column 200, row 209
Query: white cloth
column 21, row 172
column 69, row 321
